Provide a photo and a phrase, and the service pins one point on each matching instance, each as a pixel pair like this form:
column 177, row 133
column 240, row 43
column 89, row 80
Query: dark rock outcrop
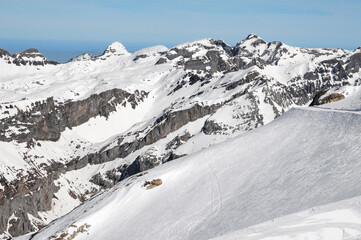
column 31, row 57
column 354, row 63
column 201, row 62
column 211, row 127
column 4, row 53
column 161, row 61
column 54, row 118
column 252, row 76
column 27, row 195
column 139, row 57
column 167, row 123
column 178, row 140
column 333, row 97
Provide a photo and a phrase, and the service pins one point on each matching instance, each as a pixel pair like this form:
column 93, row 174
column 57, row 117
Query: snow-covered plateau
column 200, row 141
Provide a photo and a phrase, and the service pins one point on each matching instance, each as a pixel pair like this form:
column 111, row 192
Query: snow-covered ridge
column 297, row 163
column 115, row 48
column 85, row 125
column 30, row 57
column 82, row 57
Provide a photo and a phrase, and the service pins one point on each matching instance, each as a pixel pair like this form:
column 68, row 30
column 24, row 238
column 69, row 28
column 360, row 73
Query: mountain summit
column 115, row 48
column 98, row 125
column 28, row 57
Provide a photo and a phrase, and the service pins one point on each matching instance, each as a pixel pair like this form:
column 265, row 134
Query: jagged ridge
column 205, row 90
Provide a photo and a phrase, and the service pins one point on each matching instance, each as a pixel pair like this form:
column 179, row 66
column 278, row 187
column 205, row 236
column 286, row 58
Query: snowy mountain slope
column 84, row 126
column 335, row 221
column 302, row 160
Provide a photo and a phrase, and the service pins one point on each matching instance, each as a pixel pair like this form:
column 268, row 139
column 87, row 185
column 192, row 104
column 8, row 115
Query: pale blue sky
column 80, row 25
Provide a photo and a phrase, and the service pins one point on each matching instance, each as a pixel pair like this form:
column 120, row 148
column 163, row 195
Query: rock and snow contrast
column 182, row 143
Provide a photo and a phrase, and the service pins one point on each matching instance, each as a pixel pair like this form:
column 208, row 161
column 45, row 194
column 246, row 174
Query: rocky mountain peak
column 31, row 56
column 252, row 36
column 201, row 42
column 187, row 48
column 30, row 53
column 178, row 100
column 115, row 48
column 3, row 53
column 82, row 57
column 195, row 49
column 251, row 46
column 252, row 40
column 30, row 50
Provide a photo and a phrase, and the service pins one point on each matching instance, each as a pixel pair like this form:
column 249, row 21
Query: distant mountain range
column 86, row 134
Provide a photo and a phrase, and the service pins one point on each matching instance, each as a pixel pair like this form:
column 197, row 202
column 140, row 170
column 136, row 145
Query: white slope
column 304, row 159
column 21, row 86
column 335, row 221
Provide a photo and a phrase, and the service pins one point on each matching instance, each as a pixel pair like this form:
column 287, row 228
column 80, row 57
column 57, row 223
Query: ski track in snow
column 216, row 194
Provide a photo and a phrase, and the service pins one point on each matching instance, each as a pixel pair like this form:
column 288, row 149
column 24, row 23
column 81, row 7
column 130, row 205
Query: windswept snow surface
column 335, row 221
column 296, row 164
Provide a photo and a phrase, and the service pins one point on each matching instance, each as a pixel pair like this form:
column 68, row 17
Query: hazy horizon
column 81, row 26
column 63, row 51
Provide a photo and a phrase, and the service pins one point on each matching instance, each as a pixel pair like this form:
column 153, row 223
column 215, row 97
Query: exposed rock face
column 4, row 53
column 211, row 62
column 354, row 63
column 161, row 61
column 109, row 182
column 55, row 118
column 31, row 195
column 115, row 48
column 206, row 57
column 251, row 77
column 139, row 57
column 83, row 57
column 28, row 57
column 322, row 98
column 178, row 140
column 205, row 88
column 167, row 123
column 149, row 160
column 211, row 127
column 334, row 97
column 25, row 196
column 152, row 184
